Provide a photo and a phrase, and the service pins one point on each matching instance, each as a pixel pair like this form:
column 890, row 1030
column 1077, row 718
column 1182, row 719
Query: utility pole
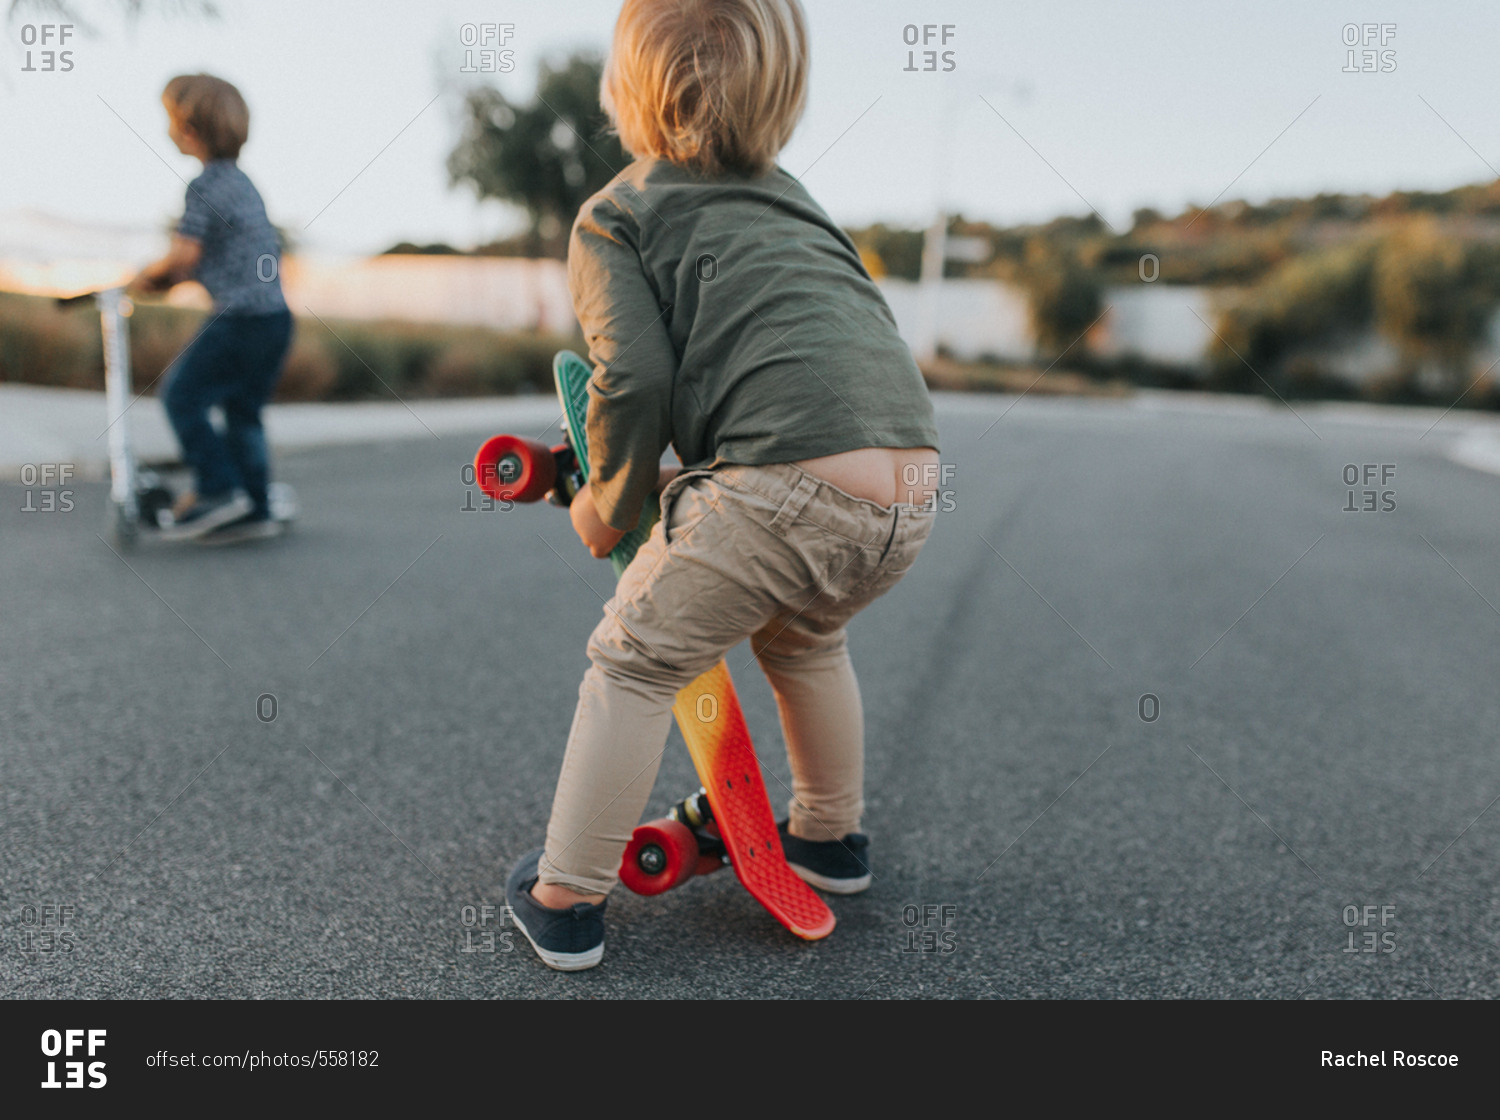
column 929, row 292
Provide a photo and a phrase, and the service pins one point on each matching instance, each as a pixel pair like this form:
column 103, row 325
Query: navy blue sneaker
column 205, row 515
column 836, row 866
column 567, row 940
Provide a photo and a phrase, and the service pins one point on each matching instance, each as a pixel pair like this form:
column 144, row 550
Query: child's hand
column 143, row 284
column 180, row 263
column 590, row 527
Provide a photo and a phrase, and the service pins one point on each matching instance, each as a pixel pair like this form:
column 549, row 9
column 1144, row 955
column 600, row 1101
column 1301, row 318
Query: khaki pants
column 770, row 553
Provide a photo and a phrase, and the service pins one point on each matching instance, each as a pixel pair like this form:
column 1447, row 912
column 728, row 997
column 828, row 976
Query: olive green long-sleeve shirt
column 730, row 318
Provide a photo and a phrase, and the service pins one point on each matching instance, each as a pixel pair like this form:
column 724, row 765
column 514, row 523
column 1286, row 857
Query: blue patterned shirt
column 241, row 262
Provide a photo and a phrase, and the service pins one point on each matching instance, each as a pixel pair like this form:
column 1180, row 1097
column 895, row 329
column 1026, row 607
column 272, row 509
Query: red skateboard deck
column 708, row 713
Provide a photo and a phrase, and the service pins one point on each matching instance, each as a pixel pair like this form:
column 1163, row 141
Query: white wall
column 504, row 293
column 973, row 318
column 1158, row 322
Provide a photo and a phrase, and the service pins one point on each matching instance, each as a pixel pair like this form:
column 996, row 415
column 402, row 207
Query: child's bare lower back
column 883, row 475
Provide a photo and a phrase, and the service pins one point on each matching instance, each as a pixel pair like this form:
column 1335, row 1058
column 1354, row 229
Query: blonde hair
column 712, row 85
column 213, row 109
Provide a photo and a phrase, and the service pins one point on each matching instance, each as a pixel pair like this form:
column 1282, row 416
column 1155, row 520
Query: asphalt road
column 1324, row 733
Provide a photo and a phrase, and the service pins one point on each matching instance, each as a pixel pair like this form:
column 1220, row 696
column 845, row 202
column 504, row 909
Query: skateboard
column 140, row 497
column 729, row 821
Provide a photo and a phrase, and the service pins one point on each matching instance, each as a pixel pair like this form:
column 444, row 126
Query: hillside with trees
column 1296, row 280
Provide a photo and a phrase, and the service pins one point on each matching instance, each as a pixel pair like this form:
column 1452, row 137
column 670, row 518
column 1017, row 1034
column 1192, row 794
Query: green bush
column 42, row 345
column 1064, row 298
column 1430, row 299
column 372, row 360
column 1308, row 300
column 1426, row 290
column 898, row 250
column 332, row 359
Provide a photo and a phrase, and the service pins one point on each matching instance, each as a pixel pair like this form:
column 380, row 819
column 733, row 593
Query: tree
column 1065, row 298
column 1317, row 301
column 1144, row 218
column 1428, row 301
column 547, row 157
column 899, row 251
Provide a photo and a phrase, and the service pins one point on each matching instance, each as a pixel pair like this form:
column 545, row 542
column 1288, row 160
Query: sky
column 1050, row 108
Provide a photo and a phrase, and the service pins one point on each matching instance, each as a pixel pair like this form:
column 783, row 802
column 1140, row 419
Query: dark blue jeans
column 234, row 363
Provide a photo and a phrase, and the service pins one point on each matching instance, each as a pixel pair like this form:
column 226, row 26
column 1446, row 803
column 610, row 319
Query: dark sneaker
column 251, row 527
column 836, row 866
column 205, row 515
column 567, row 940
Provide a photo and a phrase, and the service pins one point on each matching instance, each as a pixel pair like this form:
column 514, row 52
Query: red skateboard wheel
column 509, row 468
column 662, row 854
